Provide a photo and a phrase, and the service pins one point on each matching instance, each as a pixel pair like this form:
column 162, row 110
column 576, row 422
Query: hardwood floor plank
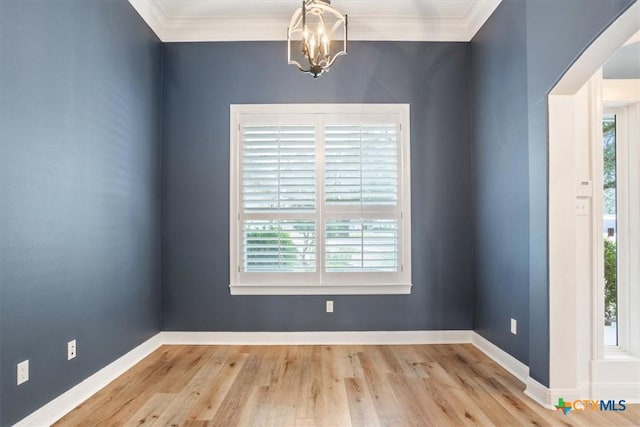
column 345, row 362
column 151, row 410
column 416, row 407
column 306, row 422
column 181, row 369
column 117, row 402
column 310, row 400
column 511, row 403
column 498, row 415
column 335, row 408
column 324, row 386
column 195, row 390
column 275, row 403
column 410, row 360
column 219, row 387
column 461, row 403
column 361, row 407
column 231, row 407
column 384, row 401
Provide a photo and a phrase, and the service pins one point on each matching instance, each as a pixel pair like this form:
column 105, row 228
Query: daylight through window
column 320, row 199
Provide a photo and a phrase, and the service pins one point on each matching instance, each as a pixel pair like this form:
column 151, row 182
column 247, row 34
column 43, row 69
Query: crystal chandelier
column 317, row 35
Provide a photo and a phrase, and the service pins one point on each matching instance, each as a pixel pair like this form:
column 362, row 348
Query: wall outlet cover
column 23, row 372
column 71, row 350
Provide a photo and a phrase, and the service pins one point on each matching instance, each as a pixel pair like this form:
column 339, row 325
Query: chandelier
column 317, row 35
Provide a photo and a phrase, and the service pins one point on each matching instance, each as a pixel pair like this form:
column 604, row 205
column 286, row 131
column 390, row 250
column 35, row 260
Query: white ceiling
column 229, row 20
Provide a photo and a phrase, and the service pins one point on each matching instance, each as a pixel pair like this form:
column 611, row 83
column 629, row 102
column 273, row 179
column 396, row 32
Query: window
column 320, row 199
column 620, row 201
column 610, row 174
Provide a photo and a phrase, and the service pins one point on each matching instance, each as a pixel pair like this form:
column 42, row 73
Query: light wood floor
column 421, row 385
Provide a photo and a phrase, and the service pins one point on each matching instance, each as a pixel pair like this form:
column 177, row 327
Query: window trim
column 628, row 203
column 359, row 287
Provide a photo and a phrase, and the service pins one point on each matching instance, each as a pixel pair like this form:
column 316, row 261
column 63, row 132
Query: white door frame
column 564, row 327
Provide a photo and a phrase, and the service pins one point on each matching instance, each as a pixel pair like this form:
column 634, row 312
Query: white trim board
column 628, row 391
column 569, row 360
column 539, row 393
column 60, row 406
column 63, row 404
column 546, row 397
column 501, row 357
column 615, row 36
column 317, row 338
column 199, row 25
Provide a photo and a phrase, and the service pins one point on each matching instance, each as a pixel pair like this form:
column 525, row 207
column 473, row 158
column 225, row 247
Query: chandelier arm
column 304, row 20
column 335, row 27
column 334, row 59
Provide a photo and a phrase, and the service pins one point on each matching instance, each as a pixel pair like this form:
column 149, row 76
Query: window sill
column 327, row 289
column 616, row 353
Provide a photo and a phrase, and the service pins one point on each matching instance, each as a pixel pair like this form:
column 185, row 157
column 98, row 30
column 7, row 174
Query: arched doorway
column 579, row 367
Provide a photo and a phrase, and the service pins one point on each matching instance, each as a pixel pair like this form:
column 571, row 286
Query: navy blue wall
column 202, row 79
column 555, row 34
column 501, row 179
column 80, row 112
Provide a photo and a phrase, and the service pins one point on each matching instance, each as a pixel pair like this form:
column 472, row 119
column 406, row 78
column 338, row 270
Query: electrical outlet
column 582, row 207
column 71, row 350
column 329, row 306
column 514, row 326
column 23, row 372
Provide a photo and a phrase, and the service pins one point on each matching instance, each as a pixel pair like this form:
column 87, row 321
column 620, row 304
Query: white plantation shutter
column 278, row 164
column 361, row 164
column 320, row 199
column 361, row 184
column 362, row 246
column 277, row 246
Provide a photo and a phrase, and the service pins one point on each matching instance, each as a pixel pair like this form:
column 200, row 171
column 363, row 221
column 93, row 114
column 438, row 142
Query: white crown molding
column 408, row 29
column 153, row 14
column 480, row 13
column 273, row 28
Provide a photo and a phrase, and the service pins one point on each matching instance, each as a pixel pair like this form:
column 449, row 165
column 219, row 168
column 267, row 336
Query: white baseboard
column 539, row 393
column 316, row 338
column 630, row 392
column 616, row 377
column 548, row 397
column 501, row 357
column 63, row 404
column 616, row 391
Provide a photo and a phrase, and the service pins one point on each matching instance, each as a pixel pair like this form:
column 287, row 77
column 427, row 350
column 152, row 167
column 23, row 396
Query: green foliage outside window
column 610, row 282
column 610, row 252
column 260, row 248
